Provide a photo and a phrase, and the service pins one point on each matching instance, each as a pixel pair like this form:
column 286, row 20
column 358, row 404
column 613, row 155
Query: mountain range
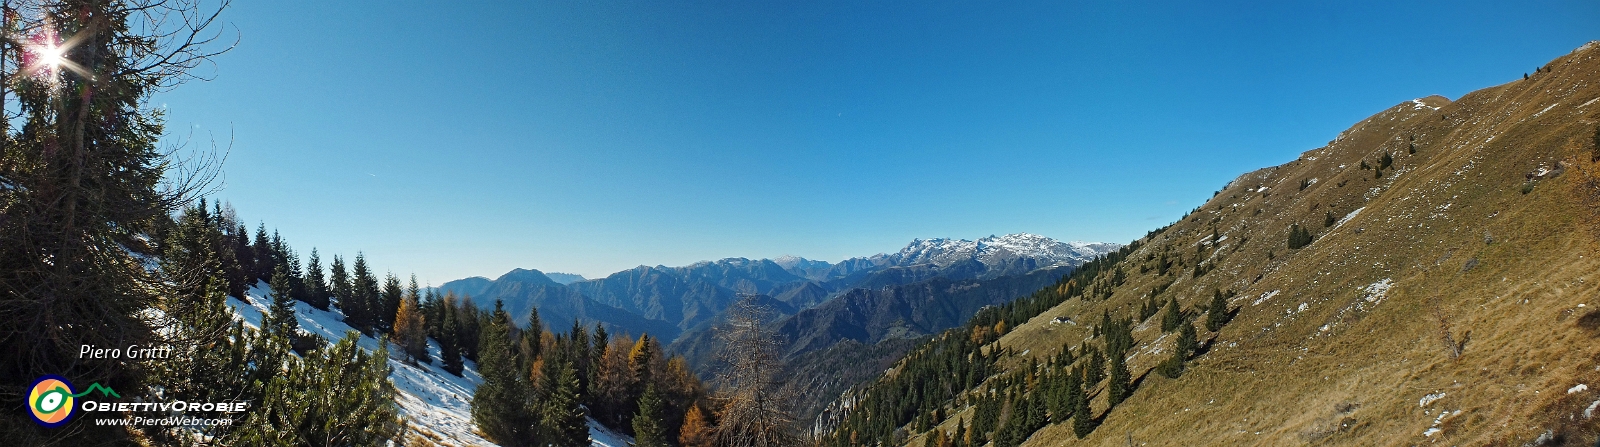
column 667, row 301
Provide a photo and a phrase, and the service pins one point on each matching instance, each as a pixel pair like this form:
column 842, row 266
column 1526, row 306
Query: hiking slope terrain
column 1442, row 290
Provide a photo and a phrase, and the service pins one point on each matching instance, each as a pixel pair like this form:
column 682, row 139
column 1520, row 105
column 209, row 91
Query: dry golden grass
column 1318, row 363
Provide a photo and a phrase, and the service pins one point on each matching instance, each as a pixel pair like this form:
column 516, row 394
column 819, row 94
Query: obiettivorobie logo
column 52, row 402
column 51, row 397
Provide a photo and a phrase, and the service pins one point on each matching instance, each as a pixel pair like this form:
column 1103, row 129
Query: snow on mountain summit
column 993, row 249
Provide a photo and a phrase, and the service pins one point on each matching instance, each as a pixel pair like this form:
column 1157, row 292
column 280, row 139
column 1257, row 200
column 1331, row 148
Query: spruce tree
column 562, row 415
column 648, row 430
column 316, row 284
column 389, row 301
column 266, row 262
column 339, row 285
column 246, row 257
column 1094, row 370
column 1217, row 314
column 364, row 297
column 1082, row 417
column 1173, row 317
column 280, row 318
column 1119, row 385
column 468, row 316
column 1298, row 237
column 501, row 404
column 450, row 340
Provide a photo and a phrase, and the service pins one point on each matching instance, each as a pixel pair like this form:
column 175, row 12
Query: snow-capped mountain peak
column 995, row 249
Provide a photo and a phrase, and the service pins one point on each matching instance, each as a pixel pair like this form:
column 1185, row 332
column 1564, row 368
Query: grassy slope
column 1349, row 371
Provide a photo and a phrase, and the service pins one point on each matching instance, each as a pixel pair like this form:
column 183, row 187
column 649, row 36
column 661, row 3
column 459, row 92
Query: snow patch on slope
column 429, row 398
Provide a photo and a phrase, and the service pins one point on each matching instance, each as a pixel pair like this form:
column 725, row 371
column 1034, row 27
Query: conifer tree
column 266, row 262
column 339, row 285
column 1173, row 317
column 1082, row 417
column 1094, row 370
column 562, row 415
column 411, row 329
column 1217, row 314
column 470, row 319
column 578, row 353
column 305, row 405
column 696, row 429
column 647, row 423
column 280, row 318
column 755, row 412
column 450, row 338
column 501, row 405
column 531, row 343
column 246, row 256
column 1328, row 220
column 390, row 299
column 1298, row 237
column 433, row 312
column 316, row 284
column 1119, row 385
column 364, row 297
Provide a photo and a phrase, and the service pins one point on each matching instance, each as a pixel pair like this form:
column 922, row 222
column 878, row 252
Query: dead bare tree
column 754, row 403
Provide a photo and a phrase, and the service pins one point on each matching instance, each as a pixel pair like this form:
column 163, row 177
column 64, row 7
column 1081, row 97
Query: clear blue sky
column 456, row 139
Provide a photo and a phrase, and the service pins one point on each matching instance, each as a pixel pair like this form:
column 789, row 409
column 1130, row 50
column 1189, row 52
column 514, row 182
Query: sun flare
column 50, row 57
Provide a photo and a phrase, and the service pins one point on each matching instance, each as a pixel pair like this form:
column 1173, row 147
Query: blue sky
column 455, row 139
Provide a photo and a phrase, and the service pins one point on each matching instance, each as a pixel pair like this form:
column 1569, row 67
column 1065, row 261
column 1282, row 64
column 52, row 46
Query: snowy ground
column 431, row 400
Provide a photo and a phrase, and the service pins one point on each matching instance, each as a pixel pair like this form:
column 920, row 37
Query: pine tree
column 1327, row 220
column 305, row 405
column 562, row 415
column 316, row 284
column 1217, row 314
column 501, row 404
column 411, row 329
column 647, row 424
